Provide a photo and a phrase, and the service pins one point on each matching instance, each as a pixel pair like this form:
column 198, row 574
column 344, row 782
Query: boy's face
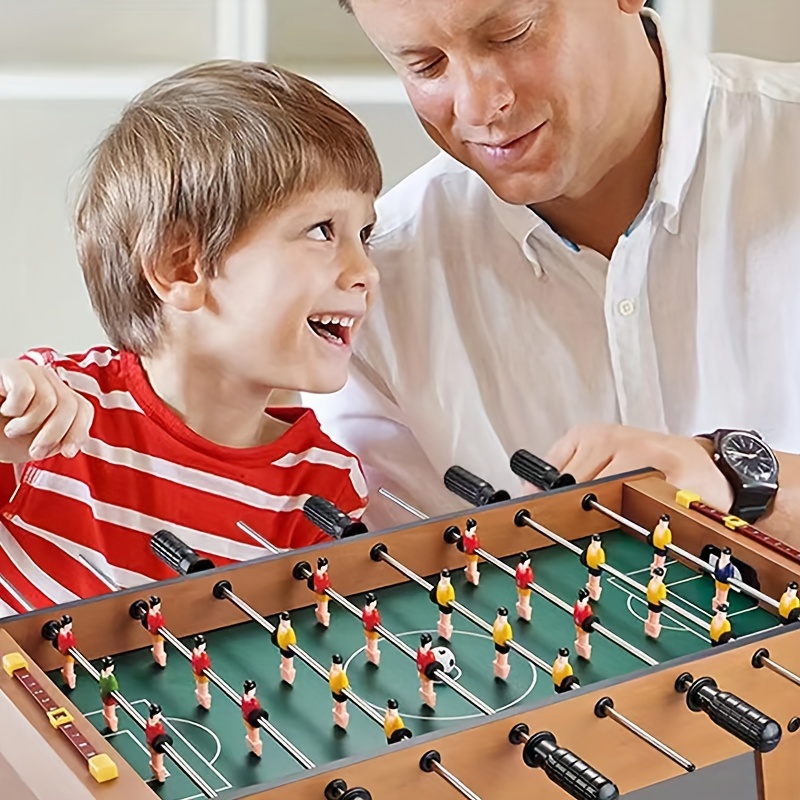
column 292, row 291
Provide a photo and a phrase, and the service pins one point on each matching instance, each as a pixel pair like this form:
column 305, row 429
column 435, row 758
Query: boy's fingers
column 78, row 432
column 17, row 390
column 32, row 416
column 48, row 438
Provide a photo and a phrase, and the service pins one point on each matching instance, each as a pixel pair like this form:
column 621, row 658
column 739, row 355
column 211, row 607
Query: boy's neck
column 217, row 406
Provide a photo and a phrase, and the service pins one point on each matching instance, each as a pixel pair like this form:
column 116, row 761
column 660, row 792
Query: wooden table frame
column 647, row 697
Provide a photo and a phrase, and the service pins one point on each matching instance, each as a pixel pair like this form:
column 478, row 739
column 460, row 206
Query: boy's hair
column 202, row 154
column 347, row 5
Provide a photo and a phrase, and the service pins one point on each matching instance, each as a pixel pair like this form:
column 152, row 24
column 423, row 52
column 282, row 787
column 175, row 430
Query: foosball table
column 585, row 641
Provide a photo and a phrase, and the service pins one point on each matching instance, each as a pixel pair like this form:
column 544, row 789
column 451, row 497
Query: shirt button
column 626, row 307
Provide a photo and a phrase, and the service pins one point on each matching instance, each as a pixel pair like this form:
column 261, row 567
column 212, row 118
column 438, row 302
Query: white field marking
column 129, row 733
column 534, row 677
column 168, row 722
column 664, row 615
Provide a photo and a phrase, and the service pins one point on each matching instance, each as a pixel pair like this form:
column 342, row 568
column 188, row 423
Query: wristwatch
column 751, row 469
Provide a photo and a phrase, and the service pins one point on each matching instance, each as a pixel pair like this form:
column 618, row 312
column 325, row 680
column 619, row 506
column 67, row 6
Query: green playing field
column 213, row 742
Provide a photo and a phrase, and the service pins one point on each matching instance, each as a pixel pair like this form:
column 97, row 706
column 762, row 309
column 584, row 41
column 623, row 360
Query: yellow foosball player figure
column 393, row 725
column 656, row 594
column 443, row 595
column 789, row 606
column 660, row 539
column 338, row 681
column 285, row 638
column 720, row 629
column 502, row 635
column 593, row 558
column 563, row 677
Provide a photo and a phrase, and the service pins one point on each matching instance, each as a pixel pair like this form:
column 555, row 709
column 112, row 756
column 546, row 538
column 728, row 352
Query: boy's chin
column 325, row 384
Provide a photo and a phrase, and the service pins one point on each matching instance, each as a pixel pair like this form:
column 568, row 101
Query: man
column 600, row 266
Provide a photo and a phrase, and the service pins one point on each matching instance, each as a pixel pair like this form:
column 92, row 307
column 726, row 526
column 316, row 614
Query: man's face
column 524, row 92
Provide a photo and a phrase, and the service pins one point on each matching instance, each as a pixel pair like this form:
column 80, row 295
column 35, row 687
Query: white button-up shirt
column 493, row 333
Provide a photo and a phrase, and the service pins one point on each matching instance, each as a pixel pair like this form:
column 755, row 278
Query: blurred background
column 68, row 66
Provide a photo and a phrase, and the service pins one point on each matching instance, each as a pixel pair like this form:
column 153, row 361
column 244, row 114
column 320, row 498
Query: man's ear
column 177, row 277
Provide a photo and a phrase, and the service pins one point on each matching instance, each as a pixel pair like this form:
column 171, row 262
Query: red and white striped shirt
column 142, row 470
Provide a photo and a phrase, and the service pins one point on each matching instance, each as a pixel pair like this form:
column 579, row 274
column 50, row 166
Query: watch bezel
column 745, row 481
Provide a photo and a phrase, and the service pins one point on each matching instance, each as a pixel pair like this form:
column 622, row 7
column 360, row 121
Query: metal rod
column 169, row 750
column 554, row 537
column 441, row 676
column 265, row 543
column 229, row 692
column 556, row 601
column 601, row 629
column 15, row 594
column 611, row 713
column 463, row 790
column 303, row 656
column 779, row 670
column 109, row 582
column 465, row 612
column 402, row 503
column 684, row 554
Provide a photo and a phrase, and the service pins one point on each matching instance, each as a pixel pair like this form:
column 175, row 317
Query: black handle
column 471, row 488
column 732, row 714
column 330, row 519
column 535, row 470
column 562, row 766
column 337, row 790
column 177, row 555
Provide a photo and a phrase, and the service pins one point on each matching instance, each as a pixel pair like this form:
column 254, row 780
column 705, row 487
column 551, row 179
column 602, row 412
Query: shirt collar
column 688, row 81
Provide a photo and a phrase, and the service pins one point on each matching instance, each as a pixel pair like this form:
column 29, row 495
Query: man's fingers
column 588, row 463
column 562, row 451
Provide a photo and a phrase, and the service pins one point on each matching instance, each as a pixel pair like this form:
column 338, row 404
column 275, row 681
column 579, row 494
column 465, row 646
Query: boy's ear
column 177, row 277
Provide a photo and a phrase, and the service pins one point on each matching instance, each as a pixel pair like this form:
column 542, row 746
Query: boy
column 222, row 232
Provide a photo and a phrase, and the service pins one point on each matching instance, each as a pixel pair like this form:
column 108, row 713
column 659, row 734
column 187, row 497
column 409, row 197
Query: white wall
column 113, row 47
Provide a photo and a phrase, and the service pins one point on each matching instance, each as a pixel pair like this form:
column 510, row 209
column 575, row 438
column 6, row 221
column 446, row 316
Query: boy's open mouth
column 332, row 328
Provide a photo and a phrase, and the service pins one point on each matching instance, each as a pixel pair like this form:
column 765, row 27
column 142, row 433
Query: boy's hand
column 596, row 451
column 40, row 416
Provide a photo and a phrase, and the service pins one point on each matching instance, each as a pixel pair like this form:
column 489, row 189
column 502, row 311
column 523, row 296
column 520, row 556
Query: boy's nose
column 358, row 271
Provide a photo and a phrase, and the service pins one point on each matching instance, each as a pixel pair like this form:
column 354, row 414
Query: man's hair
column 202, row 154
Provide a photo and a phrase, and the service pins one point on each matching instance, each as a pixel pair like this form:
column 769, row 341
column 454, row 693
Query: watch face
column 750, row 457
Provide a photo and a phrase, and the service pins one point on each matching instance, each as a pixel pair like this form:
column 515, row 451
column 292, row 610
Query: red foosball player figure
column 337, row 680
column 720, row 629
column 723, row 572
column 443, row 595
column 153, row 622
column 563, row 676
column 656, row 594
column 502, row 635
column 523, row 576
column 156, row 737
column 425, row 658
column 371, row 618
column 318, row 583
column 593, row 558
column 285, row 637
column 469, row 544
column 64, row 642
column 107, row 684
column 584, row 621
column 660, row 539
column 251, row 714
column 789, row 606
column 393, row 723
column 201, row 662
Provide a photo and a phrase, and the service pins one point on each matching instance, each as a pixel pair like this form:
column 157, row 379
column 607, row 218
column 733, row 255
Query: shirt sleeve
column 363, row 418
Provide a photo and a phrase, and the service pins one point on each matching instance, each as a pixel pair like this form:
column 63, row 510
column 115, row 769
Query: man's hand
column 597, row 451
column 40, row 416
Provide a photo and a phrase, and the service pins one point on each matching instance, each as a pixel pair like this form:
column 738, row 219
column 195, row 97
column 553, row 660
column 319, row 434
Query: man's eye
column 519, row 36
column 323, row 232
column 428, row 69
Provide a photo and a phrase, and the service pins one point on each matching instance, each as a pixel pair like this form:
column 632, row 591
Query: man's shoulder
column 425, row 193
column 759, row 79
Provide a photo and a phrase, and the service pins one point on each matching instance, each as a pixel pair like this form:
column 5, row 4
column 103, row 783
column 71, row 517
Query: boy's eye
column 322, row 232
column 366, row 233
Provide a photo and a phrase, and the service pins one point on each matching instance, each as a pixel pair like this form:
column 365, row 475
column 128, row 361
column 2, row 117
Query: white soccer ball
column 445, row 657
